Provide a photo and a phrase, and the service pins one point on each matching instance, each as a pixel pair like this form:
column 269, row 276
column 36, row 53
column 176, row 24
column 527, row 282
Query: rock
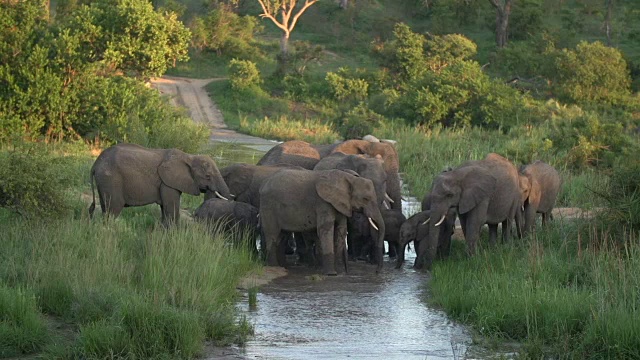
column 370, row 138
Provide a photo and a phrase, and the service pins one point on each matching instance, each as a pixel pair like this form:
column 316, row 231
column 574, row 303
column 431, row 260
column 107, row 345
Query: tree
column 285, row 8
column 503, row 10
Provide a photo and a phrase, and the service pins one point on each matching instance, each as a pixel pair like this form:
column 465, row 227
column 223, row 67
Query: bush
column 623, row 196
column 592, row 73
column 359, row 122
column 244, row 75
column 344, row 86
column 30, row 184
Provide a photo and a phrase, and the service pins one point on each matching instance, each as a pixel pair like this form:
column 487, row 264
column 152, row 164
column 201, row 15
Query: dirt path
column 192, row 95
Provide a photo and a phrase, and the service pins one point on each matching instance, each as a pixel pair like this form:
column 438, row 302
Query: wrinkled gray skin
column 415, row 229
column 362, row 236
column 545, row 182
column 244, row 180
column 236, row 216
column 482, row 192
column 132, row 175
column 316, row 203
column 306, row 155
column 366, row 167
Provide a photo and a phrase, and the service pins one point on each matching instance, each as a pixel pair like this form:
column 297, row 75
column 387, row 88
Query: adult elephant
column 306, row 155
column 545, row 182
column 244, row 180
column 132, row 175
column 364, row 166
column 482, row 192
column 316, row 202
column 237, row 217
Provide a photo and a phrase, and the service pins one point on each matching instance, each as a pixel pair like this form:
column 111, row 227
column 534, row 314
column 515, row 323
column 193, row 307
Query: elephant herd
column 324, row 194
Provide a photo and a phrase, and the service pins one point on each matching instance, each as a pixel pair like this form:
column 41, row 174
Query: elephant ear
column 175, row 172
column 536, row 192
column 334, row 188
column 477, row 186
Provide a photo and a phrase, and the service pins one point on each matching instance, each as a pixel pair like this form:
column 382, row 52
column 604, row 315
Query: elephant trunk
column 375, row 217
column 394, row 190
column 426, row 252
column 218, row 188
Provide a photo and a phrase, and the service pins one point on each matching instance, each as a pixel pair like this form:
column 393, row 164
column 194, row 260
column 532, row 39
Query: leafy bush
column 526, row 19
column 30, row 184
column 244, row 75
column 623, row 196
column 344, row 86
column 592, row 73
column 226, row 33
column 404, row 54
column 359, row 122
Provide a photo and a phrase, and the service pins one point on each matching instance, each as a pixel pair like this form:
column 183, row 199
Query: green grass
column 128, row 287
column 569, row 292
column 285, row 129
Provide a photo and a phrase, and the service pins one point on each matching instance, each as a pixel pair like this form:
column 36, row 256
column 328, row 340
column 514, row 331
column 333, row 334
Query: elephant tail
column 92, row 208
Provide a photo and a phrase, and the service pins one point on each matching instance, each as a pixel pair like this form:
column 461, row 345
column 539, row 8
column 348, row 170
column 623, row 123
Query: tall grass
column 284, row 129
column 127, row 287
column 561, row 293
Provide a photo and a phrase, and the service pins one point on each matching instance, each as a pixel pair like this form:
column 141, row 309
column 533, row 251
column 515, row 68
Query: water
column 360, row 316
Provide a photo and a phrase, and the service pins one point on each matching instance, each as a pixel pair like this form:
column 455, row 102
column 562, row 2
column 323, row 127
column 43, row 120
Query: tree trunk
column 283, row 59
column 607, row 21
column 502, row 21
column 344, row 4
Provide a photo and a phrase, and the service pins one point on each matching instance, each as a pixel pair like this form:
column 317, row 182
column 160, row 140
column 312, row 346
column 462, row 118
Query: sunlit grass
column 312, row 131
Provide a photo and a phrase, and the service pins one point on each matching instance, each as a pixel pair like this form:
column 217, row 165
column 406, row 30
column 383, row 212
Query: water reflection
column 360, row 315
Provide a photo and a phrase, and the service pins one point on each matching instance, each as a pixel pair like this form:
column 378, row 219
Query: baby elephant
column 416, row 229
column 361, row 237
column 237, row 217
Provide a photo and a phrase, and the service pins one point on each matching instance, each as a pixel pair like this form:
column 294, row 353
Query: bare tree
column 284, row 9
column 607, row 21
column 503, row 10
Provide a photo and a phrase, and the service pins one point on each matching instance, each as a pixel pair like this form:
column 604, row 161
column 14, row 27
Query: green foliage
column 22, row 329
column 359, row 122
column 589, row 138
column 623, row 197
column 304, row 54
column 404, row 54
column 284, row 129
column 592, row 73
column 30, row 184
column 226, row 33
column 526, row 19
column 346, row 86
column 244, row 75
column 568, row 296
column 442, row 51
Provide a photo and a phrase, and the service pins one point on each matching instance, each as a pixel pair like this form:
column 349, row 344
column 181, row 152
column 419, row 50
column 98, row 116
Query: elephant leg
column 474, row 223
column 271, row 235
column 339, row 237
column 170, row 205
column 325, row 232
column 506, row 231
column 392, row 249
column 545, row 218
column 307, row 250
column 493, row 233
column 111, row 205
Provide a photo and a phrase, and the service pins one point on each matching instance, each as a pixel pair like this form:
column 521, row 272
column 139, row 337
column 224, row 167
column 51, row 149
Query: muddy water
column 359, row 315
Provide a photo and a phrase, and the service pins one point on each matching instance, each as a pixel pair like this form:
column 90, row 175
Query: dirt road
column 192, row 95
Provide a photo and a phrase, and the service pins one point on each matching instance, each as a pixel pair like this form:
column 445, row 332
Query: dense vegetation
column 428, row 74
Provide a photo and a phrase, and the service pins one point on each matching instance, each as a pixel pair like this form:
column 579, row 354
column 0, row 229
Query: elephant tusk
column 220, row 196
column 389, row 199
column 232, row 195
column 386, row 206
column 372, row 223
column 441, row 220
column 426, row 222
column 522, row 207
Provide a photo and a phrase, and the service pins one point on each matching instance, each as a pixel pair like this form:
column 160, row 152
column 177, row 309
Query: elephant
column 244, row 180
column 306, row 155
column 366, row 167
column 132, row 175
column 416, row 229
column 361, row 239
column 482, row 192
column 318, row 204
column 236, row 216
column 544, row 181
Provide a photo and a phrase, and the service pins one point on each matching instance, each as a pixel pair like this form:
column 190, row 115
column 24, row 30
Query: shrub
column 359, row 122
column 591, row 73
column 344, row 86
column 30, row 183
column 244, row 75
